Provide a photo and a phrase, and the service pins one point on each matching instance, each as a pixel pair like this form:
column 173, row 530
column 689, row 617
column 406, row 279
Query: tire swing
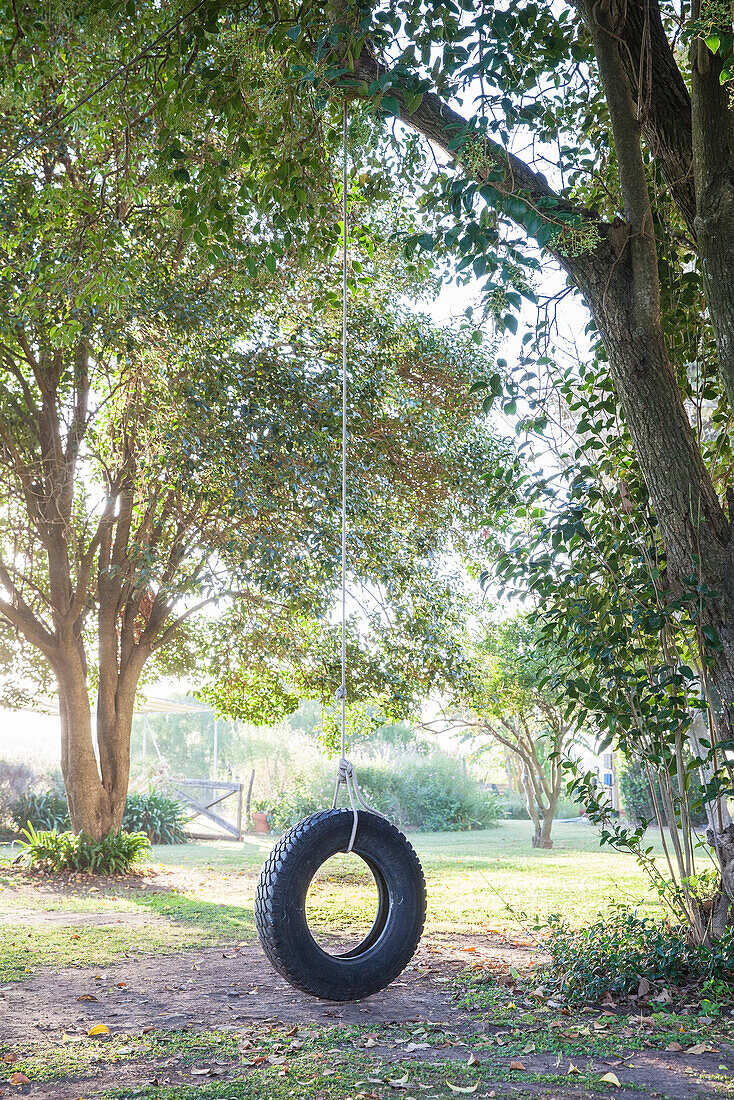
column 280, row 902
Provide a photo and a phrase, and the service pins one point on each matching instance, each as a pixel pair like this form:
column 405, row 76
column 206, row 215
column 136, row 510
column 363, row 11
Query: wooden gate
column 183, row 788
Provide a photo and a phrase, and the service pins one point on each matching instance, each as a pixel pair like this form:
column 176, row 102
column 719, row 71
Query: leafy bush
column 612, row 954
column 161, row 818
column 430, row 791
column 115, row 854
column 515, row 808
column 42, row 810
column 635, row 791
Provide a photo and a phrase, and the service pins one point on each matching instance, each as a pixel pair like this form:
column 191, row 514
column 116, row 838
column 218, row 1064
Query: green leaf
column 390, row 105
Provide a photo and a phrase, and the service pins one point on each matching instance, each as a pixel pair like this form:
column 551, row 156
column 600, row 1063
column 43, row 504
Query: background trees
column 624, row 186
column 168, row 385
column 504, row 697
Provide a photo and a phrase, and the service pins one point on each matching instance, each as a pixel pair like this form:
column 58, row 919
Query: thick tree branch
column 438, row 122
column 713, row 162
column 604, row 28
column 663, row 100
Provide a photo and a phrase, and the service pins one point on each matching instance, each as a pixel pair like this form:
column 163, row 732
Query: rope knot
column 345, row 771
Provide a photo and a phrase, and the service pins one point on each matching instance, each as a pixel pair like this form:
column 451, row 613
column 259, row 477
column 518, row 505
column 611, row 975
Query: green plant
column 16, row 779
column 417, row 789
column 637, row 797
column 613, row 953
column 158, row 816
column 43, row 810
column 114, row 854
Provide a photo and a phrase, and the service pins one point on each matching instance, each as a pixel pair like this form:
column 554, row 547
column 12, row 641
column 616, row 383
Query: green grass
column 358, row 1075
column 328, row 1063
column 476, row 881
column 24, row 951
column 333, row 1062
column 473, row 877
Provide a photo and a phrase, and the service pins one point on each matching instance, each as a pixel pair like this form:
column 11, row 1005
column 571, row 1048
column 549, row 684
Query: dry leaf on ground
column 611, row 1079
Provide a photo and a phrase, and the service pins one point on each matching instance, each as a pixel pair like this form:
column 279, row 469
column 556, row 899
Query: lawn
column 166, row 962
column 202, row 893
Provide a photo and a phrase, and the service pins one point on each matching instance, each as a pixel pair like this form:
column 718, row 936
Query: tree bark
column 544, row 839
column 713, row 163
column 96, row 790
column 84, row 791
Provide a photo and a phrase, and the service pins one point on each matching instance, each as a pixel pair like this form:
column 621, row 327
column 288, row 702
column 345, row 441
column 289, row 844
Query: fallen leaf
column 87, row 997
column 664, row 997
column 572, row 1068
column 611, row 1079
column 674, row 1046
column 517, row 1065
column 464, row 1089
column 643, row 988
column 698, row 1048
column 19, row 1079
column 529, row 1048
column 10, row 1058
column 472, row 1059
column 98, row 1030
column 398, row 1082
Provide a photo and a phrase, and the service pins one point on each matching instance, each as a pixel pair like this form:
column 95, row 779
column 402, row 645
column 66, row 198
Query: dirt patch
column 212, row 988
column 234, row 990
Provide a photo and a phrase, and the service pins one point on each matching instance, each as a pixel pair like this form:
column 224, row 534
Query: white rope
column 345, row 773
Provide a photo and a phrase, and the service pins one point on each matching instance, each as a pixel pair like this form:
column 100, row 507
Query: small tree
column 505, row 697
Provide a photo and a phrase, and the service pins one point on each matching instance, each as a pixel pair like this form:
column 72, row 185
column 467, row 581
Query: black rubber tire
column 280, row 906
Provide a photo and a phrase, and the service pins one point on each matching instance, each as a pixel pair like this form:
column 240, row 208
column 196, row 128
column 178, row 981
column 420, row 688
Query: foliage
column 588, row 551
column 155, row 815
column 115, row 854
column 43, row 810
column 428, row 791
column 506, row 698
column 172, row 360
column 612, row 954
column 638, row 801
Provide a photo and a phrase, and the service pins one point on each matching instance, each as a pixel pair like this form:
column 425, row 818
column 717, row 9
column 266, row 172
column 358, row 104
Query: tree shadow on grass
column 217, row 921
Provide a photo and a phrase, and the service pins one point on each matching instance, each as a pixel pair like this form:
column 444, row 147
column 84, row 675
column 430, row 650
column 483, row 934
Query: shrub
column 44, row 810
column 613, row 953
column 515, row 808
column 638, row 805
column 161, row 818
column 115, row 854
column 430, row 791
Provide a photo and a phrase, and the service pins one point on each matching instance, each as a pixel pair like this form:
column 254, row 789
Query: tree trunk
column 543, row 840
column 720, row 916
column 549, row 816
column 527, row 786
column 96, row 796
